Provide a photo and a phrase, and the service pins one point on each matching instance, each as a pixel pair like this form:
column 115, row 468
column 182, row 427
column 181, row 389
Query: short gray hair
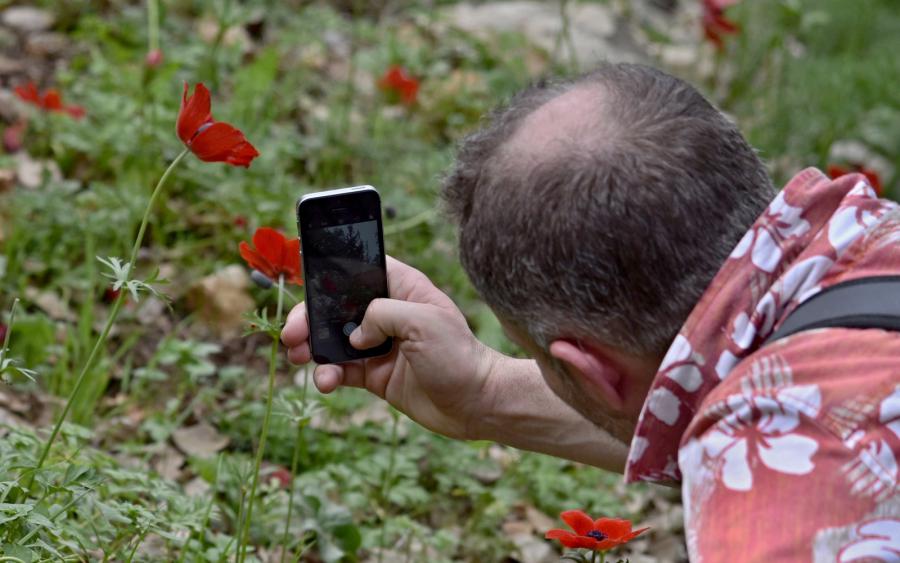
column 613, row 240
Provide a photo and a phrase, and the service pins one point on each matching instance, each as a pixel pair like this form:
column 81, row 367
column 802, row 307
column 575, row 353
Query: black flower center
column 597, row 535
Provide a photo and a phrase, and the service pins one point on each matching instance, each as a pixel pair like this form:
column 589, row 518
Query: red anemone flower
column 211, row 140
column 396, row 81
column 274, row 255
column 50, row 100
column 835, row 171
column 715, row 24
column 597, row 535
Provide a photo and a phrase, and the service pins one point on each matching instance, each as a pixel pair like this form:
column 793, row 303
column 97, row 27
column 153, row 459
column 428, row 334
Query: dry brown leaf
column 221, row 300
column 168, row 463
column 200, row 440
column 51, row 304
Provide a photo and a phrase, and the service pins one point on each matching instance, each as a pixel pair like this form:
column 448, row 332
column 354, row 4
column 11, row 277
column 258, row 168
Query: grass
column 802, row 75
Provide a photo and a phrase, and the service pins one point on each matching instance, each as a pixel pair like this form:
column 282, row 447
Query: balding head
column 574, row 118
column 603, row 206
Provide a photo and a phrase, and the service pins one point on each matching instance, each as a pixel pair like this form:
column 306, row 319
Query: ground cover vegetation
column 146, row 411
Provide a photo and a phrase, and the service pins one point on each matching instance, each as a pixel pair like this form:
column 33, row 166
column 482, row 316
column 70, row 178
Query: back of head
column 603, row 206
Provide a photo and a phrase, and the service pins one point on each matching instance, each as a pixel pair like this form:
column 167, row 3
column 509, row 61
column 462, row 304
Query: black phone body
column 344, row 268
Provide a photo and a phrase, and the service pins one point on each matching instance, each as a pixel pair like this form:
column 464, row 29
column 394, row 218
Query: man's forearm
column 521, row 411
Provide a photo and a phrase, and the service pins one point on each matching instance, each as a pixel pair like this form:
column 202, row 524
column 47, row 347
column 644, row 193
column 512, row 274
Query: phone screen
column 345, row 271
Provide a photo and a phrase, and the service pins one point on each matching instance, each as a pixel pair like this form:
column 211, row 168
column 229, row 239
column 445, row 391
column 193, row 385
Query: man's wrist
column 486, row 372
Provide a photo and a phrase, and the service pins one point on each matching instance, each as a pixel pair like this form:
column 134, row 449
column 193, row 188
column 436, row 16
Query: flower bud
column 154, row 58
column 261, row 279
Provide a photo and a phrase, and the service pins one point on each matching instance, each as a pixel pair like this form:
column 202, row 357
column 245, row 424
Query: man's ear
column 595, row 368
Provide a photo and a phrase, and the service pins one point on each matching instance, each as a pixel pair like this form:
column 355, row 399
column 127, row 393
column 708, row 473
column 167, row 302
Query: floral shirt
column 787, row 452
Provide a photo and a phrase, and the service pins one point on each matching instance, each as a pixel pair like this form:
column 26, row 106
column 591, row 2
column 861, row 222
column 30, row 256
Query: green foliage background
column 802, row 75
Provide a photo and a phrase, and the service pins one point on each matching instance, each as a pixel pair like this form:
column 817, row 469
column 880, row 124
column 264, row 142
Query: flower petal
column 29, row 93
column 255, row 260
column 222, row 142
column 270, row 244
column 290, row 262
column 195, row 111
column 612, row 527
column 570, row 540
column 52, row 100
column 578, row 521
column 634, row 534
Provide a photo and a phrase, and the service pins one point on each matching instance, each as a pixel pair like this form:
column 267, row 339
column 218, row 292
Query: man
column 630, row 240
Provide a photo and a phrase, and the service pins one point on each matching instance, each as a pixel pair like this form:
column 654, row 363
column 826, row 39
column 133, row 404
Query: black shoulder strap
column 872, row 302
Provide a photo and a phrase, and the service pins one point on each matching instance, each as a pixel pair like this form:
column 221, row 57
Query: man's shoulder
column 798, row 428
column 840, row 368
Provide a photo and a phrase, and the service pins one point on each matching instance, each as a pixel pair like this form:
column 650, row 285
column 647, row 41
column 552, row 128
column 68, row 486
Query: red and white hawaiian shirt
column 787, row 452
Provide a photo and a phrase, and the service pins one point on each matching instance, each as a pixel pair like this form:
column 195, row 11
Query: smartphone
column 342, row 246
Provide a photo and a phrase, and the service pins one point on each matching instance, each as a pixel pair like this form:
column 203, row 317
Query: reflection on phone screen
column 344, row 273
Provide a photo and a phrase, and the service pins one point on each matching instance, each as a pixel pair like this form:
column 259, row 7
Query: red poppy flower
column 715, row 24
column 51, row 100
column 396, row 81
column 110, row 294
column 274, row 255
column 211, row 140
column 597, row 535
column 835, row 171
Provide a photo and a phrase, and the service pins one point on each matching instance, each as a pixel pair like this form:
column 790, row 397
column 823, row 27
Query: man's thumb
column 386, row 318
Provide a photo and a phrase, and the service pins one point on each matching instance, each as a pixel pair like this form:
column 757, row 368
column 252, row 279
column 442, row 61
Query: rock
column 32, row 173
column 8, row 39
column 221, row 299
column 27, row 19
column 11, row 110
column 10, row 66
column 200, row 440
column 592, row 27
column 46, row 44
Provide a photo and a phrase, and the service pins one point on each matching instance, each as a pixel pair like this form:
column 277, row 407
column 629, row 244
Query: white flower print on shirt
column 889, row 411
column 763, row 241
column 799, row 283
column 682, row 364
column 878, row 540
column 761, row 430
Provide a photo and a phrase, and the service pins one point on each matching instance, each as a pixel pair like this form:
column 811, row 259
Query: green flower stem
column 294, row 462
column 117, row 306
column 273, row 360
column 412, row 222
column 386, row 483
column 152, row 25
column 9, row 329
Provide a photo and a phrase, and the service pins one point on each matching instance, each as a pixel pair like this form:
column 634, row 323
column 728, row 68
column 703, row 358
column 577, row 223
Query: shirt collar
column 782, row 260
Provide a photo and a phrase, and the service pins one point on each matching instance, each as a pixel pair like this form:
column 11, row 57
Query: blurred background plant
column 157, row 459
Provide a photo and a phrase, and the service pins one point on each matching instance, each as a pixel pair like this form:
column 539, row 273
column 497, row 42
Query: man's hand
column 437, row 371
